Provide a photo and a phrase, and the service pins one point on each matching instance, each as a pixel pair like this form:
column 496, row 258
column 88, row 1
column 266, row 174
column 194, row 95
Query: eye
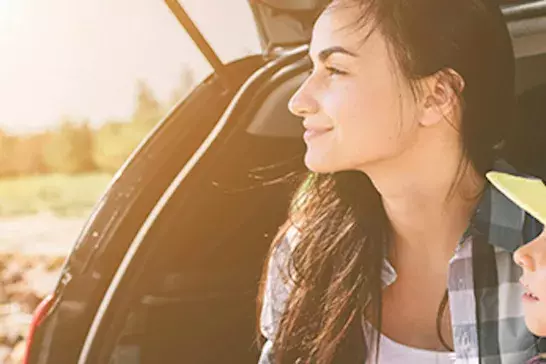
column 334, row 71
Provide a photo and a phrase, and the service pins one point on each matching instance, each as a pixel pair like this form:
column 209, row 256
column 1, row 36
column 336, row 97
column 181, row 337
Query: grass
column 61, row 195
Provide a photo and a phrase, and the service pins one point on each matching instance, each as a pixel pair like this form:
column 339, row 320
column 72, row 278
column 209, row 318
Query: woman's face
column 357, row 109
column 532, row 259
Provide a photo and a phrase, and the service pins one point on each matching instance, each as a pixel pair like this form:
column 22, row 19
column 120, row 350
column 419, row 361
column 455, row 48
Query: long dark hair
column 343, row 230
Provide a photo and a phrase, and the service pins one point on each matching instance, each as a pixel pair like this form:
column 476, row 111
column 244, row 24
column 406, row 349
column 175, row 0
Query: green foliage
column 148, row 110
column 115, row 141
column 185, row 85
column 75, row 148
column 70, row 149
column 8, row 144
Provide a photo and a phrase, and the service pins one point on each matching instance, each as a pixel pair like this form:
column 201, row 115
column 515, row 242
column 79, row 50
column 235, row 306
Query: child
column 530, row 194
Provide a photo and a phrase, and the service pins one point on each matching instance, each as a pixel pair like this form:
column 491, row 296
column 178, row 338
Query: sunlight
column 10, row 11
column 57, row 48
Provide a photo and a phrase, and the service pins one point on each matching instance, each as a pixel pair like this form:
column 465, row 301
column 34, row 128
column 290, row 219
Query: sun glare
column 10, row 10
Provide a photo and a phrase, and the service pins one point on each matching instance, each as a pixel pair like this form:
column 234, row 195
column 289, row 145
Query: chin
column 537, row 325
column 319, row 161
column 320, row 164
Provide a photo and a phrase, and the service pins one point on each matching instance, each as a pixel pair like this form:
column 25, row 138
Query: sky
column 83, row 59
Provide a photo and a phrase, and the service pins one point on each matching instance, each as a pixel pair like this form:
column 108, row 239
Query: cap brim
column 526, row 192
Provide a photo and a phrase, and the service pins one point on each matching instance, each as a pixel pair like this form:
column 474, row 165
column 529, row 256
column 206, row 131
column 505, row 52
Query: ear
column 441, row 96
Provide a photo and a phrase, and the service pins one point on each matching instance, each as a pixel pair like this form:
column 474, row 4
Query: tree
column 8, row 164
column 114, row 143
column 21, row 155
column 148, row 110
column 70, row 148
column 117, row 139
column 28, row 154
column 185, row 85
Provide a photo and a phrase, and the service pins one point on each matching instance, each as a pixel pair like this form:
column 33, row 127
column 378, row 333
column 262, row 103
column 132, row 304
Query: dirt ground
column 43, row 234
column 32, row 252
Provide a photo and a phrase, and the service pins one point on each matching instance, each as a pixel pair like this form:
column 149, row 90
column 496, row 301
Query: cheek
column 539, row 284
column 535, row 321
column 367, row 118
column 533, row 253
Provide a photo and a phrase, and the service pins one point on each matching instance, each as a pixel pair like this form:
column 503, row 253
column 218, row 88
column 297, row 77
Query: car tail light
column 37, row 318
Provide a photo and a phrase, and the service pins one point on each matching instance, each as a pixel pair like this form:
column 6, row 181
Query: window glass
column 228, row 25
column 90, row 59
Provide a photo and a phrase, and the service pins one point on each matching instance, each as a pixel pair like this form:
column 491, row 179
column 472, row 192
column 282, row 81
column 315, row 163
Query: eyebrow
column 326, row 53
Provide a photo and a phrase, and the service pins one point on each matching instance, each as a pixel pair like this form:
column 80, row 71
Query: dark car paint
column 119, row 214
column 177, row 227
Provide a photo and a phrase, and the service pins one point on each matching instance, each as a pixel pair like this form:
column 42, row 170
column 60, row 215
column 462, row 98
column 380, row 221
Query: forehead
column 339, row 25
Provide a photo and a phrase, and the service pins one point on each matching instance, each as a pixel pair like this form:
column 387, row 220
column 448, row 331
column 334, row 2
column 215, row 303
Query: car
column 168, row 265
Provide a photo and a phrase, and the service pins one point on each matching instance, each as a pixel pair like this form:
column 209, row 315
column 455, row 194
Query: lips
column 314, row 130
column 528, row 296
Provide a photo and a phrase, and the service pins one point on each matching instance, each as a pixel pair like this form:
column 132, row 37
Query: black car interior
column 206, row 261
column 196, row 299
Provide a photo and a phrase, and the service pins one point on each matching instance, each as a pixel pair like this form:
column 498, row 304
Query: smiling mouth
column 311, row 133
column 528, row 296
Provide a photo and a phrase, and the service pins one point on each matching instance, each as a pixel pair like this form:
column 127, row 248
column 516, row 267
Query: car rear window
column 227, row 25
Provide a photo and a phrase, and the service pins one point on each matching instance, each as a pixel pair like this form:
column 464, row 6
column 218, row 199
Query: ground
column 39, row 234
column 40, row 219
column 57, row 194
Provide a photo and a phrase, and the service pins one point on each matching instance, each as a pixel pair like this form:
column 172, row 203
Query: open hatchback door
column 168, row 267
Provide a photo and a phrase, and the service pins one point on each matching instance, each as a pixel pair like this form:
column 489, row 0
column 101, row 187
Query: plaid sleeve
column 276, row 293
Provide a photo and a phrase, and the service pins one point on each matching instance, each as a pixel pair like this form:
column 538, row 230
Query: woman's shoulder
column 291, row 237
column 278, row 283
column 279, row 260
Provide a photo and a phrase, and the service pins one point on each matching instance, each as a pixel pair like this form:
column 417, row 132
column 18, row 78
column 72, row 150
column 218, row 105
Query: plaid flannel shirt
column 484, row 292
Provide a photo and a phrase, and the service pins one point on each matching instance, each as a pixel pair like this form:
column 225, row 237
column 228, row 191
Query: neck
column 429, row 207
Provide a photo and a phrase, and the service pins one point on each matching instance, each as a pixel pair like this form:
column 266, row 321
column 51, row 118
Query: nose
column 302, row 103
column 524, row 258
column 532, row 256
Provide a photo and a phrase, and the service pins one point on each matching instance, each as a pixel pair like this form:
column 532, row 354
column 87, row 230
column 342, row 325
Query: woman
column 396, row 250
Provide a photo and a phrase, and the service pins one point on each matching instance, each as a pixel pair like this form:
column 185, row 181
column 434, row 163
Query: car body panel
column 86, row 293
column 119, row 214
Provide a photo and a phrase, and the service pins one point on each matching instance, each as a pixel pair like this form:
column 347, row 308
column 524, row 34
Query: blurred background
column 81, row 84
